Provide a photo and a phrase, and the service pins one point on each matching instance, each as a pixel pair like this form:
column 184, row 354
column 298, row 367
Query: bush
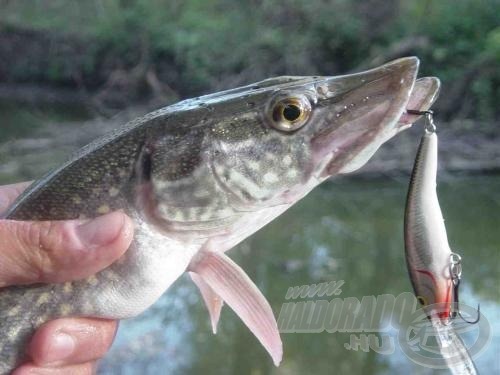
column 198, row 46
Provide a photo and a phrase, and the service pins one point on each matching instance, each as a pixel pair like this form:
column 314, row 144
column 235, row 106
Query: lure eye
column 290, row 113
column 422, row 300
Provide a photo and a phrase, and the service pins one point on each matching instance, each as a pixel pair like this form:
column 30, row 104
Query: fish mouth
column 364, row 110
column 424, row 94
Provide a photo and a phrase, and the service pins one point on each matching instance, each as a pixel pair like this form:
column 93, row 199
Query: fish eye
column 290, row 113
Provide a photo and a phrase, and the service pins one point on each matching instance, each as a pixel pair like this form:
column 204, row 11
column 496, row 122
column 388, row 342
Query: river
column 350, row 230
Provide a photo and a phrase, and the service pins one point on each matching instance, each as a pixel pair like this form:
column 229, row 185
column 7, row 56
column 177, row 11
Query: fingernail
column 61, row 347
column 102, row 230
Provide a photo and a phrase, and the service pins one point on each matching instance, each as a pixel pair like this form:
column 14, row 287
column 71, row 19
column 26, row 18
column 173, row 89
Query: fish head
column 291, row 133
column 270, row 143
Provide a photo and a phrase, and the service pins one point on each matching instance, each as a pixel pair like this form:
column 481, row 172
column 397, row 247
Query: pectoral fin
column 233, row 285
column 212, row 300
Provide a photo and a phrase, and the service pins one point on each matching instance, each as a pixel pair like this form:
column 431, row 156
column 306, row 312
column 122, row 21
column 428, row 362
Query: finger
column 70, row 341
column 56, row 251
column 82, row 369
column 8, row 194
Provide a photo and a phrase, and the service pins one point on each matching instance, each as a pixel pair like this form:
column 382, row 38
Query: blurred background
column 70, row 71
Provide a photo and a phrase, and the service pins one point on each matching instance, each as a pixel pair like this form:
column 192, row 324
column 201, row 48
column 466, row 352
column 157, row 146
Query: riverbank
column 466, row 147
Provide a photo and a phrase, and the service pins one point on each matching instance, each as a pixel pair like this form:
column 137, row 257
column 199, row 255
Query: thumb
column 57, row 251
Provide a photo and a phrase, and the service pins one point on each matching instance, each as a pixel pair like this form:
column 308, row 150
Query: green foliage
column 202, row 45
column 493, row 43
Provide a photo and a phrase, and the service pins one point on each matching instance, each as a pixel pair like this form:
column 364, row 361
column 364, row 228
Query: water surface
column 347, row 230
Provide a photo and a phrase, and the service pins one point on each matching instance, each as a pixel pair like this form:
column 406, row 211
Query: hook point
column 472, row 321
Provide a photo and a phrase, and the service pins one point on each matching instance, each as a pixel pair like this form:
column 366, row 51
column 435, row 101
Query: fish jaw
column 423, row 95
column 370, row 108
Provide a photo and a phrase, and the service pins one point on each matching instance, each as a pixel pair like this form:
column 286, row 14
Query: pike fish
column 429, row 257
column 197, row 178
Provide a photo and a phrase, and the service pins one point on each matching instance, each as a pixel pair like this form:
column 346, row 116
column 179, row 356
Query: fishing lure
column 435, row 271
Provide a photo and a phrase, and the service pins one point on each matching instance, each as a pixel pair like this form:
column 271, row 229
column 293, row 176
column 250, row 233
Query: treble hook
column 456, row 275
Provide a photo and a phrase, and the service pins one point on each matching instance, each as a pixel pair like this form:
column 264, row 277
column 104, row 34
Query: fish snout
column 363, row 112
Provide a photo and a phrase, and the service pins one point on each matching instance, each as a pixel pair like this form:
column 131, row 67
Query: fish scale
column 197, row 178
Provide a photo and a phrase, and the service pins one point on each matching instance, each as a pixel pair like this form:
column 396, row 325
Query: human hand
column 58, row 251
